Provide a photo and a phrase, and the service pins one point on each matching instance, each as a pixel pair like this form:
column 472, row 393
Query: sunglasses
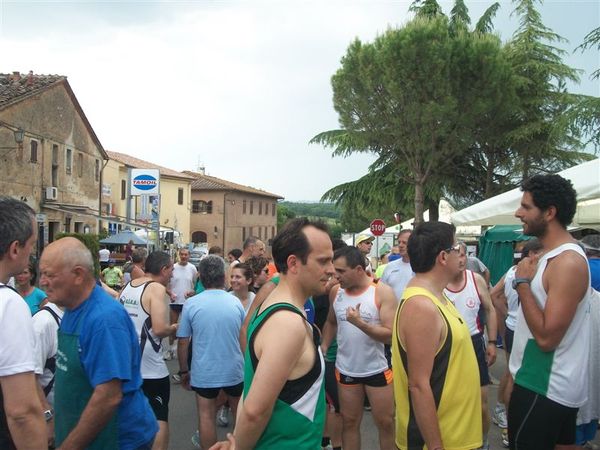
column 455, row 247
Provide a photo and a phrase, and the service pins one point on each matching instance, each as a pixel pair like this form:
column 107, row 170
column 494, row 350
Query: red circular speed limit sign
column 377, row 227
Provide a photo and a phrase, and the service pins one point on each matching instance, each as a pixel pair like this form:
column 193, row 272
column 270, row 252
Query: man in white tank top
column 147, row 304
column 551, row 342
column 361, row 317
column 469, row 293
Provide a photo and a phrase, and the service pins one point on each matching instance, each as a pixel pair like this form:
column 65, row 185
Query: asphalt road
column 183, row 415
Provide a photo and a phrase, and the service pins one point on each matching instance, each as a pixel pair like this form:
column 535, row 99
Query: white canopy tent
column 500, row 210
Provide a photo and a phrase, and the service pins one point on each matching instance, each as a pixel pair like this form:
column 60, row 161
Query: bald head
column 69, row 253
column 67, row 272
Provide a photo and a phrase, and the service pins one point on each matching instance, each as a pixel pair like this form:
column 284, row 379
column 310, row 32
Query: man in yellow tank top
column 436, row 379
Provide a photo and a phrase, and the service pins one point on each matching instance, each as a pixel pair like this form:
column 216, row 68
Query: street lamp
column 19, row 135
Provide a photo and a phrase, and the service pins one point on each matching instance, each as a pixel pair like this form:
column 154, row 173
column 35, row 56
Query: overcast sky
column 240, row 86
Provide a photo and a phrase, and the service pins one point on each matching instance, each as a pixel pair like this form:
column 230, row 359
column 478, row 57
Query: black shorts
column 331, row 389
column 537, row 423
column 380, row 379
column 176, row 307
column 480, row 353
column 158, row 392
column 211, row 393
column 509, row 335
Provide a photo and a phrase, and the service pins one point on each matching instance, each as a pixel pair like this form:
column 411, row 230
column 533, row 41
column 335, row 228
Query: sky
column 239, row 87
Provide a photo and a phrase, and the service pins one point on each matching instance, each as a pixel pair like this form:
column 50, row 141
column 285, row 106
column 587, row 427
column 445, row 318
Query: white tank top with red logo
column 467, row 302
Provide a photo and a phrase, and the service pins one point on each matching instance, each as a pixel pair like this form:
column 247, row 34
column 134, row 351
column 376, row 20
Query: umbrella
column 123, row 238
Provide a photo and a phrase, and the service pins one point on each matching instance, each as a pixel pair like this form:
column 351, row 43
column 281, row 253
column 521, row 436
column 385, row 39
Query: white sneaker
column 499, row 416
column 196, row 439
column 223, row 416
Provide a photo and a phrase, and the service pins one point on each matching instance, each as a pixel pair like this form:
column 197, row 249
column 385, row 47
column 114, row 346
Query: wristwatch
column 518, row 281
column 48, row 415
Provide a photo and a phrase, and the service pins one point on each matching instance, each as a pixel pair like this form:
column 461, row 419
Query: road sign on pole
column 377, row 227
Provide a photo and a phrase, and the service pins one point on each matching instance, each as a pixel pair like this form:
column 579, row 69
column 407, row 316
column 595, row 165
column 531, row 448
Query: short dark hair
column 212, row 271
column 291, row 240
column 553, row 190
column 156, row 261
column 250, row 240
column 246, row 270
column 426, row 241
column 532, row 245
column 235, row 252
column 404, row 231
column 215, row 250
column 352, row 255
column 257, row 263
column 138, row 255
column 16, row 223
column 33, row 271
column 338, row 243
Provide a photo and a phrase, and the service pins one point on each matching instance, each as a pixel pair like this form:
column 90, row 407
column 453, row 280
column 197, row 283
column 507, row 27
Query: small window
column 259, row 233
column 80, row 165
column 273, row 210
column 244, row 210
column 54, row 155
column 69, row 163
column 251, row 207
column 244, row 231
column 97, row 170
column 272, row 232
column 260, row 208
column 202, row 207
column 180, row 196
column 266, row 209
column 34, row 146
column 123, row 189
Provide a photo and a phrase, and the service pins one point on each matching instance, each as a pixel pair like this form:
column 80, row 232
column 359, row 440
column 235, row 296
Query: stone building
column 50, row 156
column 175, row 196
column 225, row 213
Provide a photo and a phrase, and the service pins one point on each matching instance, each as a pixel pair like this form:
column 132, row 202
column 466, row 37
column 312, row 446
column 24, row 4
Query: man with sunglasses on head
column 468, row 292
column 364, row 243
column 436, row 381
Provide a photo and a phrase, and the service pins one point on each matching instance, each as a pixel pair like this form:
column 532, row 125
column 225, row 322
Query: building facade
column 225, row 213
column 50, row 156
column 174, row 205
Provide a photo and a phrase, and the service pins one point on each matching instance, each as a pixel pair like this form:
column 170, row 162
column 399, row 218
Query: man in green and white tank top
column 283, row 403
column 551, row 341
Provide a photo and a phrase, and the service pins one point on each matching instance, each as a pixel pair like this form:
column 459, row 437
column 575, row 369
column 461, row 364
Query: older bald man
column 98, row 398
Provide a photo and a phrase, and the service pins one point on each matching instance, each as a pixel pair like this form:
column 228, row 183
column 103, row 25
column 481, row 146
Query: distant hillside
column 328, row 210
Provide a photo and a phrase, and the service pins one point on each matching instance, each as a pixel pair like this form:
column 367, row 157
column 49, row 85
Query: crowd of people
column 291, row 352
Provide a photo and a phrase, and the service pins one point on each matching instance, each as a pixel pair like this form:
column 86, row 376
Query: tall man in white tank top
column 361, row 317
column 469, row 293
column 551, row 342
column 147, row 303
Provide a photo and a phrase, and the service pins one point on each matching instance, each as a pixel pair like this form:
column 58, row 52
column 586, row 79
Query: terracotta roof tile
column 16, row 86
column 141, row 164
column 209, row 183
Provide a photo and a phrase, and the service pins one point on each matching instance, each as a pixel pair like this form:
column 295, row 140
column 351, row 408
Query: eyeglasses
column 455, row 247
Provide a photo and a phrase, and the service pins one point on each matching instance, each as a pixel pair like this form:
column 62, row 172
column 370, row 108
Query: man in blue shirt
column 213, row 320
column 98, row 398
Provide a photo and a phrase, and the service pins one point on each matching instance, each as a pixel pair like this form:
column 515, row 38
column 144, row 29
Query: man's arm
column 99, row 410
column 330, row 326
column 23, row 410
column 387, row 309
column 279, row 346
column 155, row 296
column 548, row 326
column 183, row 345
column 491, row 319
column 420, row 328
column 500, row 303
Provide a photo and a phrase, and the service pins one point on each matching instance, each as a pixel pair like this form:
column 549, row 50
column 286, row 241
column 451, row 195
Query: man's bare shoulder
column 418, row 306
column 155, row 290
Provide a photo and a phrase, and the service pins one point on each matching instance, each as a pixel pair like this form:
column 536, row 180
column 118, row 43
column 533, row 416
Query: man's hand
column 229, row 444
column 527, row 267
column 490, row 353
column 353, row 315
column 185, row 381
column 189, row 294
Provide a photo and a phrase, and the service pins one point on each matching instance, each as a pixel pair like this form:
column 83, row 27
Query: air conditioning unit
column 51, row 193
